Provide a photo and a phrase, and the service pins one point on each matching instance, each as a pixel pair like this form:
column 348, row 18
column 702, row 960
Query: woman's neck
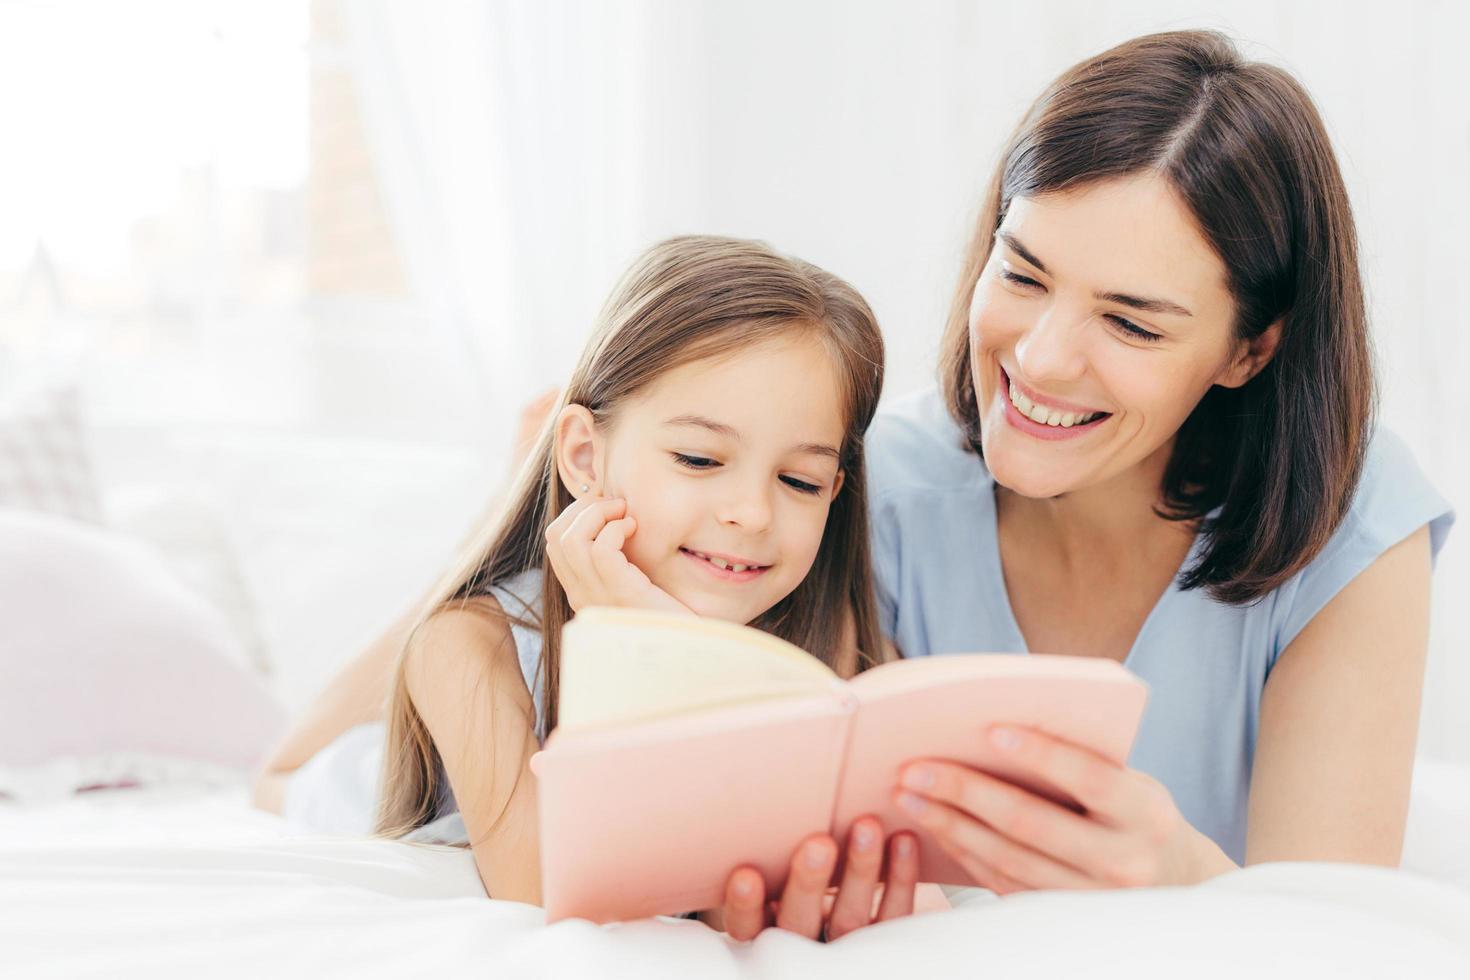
column 1111, row 525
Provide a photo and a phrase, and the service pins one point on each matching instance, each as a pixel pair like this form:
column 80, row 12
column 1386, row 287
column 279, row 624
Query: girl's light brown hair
column 684, row 300
column 1243, row 145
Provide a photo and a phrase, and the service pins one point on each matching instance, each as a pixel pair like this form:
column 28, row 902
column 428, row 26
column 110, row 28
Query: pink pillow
column 103, row 653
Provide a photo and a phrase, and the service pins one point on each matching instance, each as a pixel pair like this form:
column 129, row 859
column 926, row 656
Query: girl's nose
column 750, row 509
column 1051, row 350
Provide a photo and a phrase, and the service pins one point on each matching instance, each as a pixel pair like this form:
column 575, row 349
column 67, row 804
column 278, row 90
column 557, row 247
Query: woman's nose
column 1051, row 350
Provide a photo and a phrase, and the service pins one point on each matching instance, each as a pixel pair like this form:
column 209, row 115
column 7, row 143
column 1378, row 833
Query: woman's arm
column 464, row 679
column 357, row 694
column 1340, row 718
column 1334, row 757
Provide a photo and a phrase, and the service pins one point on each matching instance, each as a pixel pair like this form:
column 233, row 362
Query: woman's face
column 1105, row 314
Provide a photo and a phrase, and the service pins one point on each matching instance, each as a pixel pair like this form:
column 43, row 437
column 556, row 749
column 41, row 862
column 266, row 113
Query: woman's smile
column 1045, row 418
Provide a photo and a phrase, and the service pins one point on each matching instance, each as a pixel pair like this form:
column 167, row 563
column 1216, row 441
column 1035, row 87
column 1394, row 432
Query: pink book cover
column 650, row 818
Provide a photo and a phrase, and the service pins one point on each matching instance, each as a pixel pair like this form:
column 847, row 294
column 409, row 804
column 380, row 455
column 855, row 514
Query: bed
column 188, row 880
column 178, row 876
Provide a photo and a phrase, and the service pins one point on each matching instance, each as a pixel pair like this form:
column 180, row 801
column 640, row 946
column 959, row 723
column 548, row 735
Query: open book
column 687, row 747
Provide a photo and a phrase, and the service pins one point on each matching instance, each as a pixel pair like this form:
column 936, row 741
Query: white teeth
column 721, row 563
column 1048, row 416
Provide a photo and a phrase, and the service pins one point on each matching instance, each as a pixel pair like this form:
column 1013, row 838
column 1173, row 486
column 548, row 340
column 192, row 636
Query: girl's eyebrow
column 729, row 432
column 1123, row 299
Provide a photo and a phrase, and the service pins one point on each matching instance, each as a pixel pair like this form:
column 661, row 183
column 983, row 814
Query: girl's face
column 730, row 462
column 1104, row 314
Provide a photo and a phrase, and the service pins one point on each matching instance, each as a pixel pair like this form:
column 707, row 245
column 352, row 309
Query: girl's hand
column 585, row 545
column 1130, row 834
column 806, row 908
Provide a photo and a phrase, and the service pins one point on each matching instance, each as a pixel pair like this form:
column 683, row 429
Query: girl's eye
column 1018, row 279
column 695, row 462
column 800, row 485
column 1132, row 329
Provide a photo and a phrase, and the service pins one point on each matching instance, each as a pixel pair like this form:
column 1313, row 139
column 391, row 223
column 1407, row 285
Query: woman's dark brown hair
column 1243, row 145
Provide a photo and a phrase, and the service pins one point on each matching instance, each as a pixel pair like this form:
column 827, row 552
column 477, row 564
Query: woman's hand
column 1130, row 834
column 806, row 907
column 585, row 545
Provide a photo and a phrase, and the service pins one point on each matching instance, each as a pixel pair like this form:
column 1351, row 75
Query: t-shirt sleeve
column 1394, row 499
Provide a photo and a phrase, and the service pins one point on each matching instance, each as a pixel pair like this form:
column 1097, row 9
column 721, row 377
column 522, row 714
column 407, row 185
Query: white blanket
column 194, row 883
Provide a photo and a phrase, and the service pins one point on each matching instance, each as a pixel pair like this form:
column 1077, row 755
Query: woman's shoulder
column 915, row 447
column 1393, row 499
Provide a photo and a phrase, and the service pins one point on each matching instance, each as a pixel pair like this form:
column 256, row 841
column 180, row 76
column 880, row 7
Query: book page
column 622, row 666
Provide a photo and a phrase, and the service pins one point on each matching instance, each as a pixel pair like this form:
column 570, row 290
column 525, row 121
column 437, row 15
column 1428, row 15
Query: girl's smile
column 725, row 567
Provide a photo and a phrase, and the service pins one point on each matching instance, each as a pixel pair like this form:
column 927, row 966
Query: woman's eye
column 1018, row 279
column 695, row 462
column 1132, row 329
column 800, row 485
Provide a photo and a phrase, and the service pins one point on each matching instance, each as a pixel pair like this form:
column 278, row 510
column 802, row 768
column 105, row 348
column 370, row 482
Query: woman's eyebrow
column 730, row 432
column 1146, row 304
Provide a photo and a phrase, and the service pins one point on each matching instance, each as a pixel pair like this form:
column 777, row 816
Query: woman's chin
column 1029, row 477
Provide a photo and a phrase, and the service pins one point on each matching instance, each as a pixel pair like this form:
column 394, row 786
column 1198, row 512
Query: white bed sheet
column 191, row 882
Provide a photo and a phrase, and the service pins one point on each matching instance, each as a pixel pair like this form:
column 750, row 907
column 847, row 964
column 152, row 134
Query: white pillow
column 44, row 464
column 106, row 657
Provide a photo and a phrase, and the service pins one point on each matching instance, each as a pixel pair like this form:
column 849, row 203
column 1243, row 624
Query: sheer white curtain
column 529, row 149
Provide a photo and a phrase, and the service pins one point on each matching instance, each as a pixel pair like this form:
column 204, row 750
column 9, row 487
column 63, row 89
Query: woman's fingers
column 745, row 903
column 978, row 846
column 1096, row 783
column 854, row 906
column 902, row 878
column 811, row 871
column 1032, row 821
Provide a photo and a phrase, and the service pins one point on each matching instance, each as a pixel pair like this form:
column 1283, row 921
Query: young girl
column 706, row 457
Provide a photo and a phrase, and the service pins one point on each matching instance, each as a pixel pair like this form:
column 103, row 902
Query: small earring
column 585, row 488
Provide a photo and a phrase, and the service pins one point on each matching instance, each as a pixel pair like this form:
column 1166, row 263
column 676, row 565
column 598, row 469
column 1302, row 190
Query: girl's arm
column 464, row 679
column 356, row 695
column 1340, row 718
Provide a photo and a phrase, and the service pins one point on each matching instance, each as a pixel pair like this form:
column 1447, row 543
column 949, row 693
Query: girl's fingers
column 801, row 901
column 575, row 545
column 961, row 834
column 902, row 877
column 745, row 903
column 854, row 906
column 610, row 540
column 586, row 525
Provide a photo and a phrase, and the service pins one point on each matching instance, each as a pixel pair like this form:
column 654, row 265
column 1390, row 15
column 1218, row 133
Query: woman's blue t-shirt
column 941, row 590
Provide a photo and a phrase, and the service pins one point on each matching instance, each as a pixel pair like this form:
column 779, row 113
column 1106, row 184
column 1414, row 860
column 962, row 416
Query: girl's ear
column 1252, row 357
column 580, row 451
column 837, row 483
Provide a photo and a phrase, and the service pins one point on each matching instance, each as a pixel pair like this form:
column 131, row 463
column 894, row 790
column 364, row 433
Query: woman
column 1153, row 442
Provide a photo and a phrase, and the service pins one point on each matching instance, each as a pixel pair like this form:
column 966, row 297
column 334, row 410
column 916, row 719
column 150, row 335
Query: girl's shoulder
column 488, row 632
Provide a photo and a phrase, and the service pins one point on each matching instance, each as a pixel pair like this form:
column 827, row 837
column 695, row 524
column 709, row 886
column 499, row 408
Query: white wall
column 559, row 138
